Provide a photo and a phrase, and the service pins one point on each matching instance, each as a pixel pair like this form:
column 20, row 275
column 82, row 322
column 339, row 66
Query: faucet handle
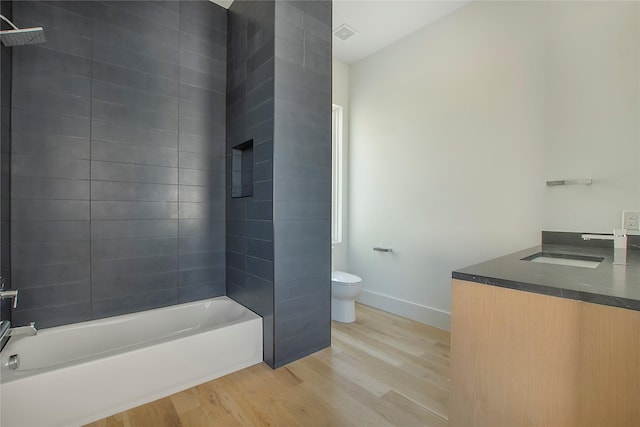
column 15, row 300
column 12, row 293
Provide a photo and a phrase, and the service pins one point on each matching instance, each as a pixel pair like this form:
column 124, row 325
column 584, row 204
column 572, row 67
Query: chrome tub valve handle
column 12, row 293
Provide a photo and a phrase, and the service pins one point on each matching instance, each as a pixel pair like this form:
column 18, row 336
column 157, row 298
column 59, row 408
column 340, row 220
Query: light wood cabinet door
column 526, row 359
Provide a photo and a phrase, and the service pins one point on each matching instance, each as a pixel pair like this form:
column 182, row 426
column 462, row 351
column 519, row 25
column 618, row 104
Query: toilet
column 345, row 287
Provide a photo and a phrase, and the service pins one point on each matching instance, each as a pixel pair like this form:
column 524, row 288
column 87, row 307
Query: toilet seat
column 343, row 278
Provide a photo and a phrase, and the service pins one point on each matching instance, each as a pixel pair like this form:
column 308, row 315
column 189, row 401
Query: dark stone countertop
column 607, row 284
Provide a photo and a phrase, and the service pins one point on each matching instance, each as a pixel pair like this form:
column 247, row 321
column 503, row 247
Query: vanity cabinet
column 527, row 359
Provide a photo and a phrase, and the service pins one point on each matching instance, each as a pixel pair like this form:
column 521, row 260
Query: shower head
column 21, row 37
column 18, row 37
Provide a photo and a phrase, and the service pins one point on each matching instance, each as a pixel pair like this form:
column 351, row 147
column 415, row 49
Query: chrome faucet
column 7, row 331
column 619, row 238
column 11, row 293
column 5, row 325
column 23, row 330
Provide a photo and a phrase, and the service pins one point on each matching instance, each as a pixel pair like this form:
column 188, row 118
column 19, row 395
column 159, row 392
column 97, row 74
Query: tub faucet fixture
column 11, row 293
column 619, row 238
column 23, row 330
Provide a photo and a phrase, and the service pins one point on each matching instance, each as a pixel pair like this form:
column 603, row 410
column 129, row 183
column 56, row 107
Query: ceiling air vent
column 343, row 32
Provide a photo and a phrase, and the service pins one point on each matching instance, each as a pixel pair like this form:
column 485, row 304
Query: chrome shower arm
column 8, row 22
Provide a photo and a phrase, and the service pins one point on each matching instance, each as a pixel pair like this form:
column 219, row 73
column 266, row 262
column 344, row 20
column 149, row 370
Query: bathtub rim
column 9, row 376
column 240, row 347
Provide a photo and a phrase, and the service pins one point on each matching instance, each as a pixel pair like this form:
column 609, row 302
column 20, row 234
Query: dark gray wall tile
column 201, row 227
column 49, row 60
column 201, row 210
column 46, row 101
column 49, row 210
column 47, row 296
column 138, row 80
column 46, row 317
column 135, row 60
column 129, row 248
column 60, row 18
column 212, row 242
column 259, row 229
column 120, row 191
column 201, row 194
column 118, row 14
column 262, row 249
column 197, row 276
column 304, row 229
column 99, row 115
column 123, row 95
column 133, row 266
column 133, row 135
column 260, row 268
column 199, row 177
column 29, row 187
column 135, row 41
column 123, row 153
column 104, row 288
column 124, row 229
column 38, row 253
column 301, row 345
column 115, row 113
column 49, row 166
column 201, row 291
column 261, row 294
column 49, row 231
column 51, row 146
column 293, row 327
column 124, row 172
column 23, row 120
column 49, row 274
column 118, row 210
column 191, row 260
column 310, row 210
column 133, row 303
column 54, row 81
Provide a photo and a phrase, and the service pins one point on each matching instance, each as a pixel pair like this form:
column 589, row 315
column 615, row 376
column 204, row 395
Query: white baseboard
column 420, row 313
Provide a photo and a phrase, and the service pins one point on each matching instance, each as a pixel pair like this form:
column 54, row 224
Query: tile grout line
column 90, row 162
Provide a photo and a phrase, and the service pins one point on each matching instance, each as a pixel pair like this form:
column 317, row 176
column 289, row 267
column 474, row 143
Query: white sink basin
column 565, row 259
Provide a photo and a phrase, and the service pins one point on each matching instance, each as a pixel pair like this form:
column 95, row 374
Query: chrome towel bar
column 586, row 181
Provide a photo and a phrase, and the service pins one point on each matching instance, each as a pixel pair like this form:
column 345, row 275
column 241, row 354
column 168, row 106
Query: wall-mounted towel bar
column 585, row 181
column 379, row 249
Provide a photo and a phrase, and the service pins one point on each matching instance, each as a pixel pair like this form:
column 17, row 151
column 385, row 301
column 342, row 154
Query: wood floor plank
column 412, row 414
column 383, row 370
column 426, row 394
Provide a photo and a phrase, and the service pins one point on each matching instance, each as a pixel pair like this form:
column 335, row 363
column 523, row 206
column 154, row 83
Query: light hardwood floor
column 382, row 370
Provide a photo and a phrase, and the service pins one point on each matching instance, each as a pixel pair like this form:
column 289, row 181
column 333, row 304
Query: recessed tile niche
column 242, row 172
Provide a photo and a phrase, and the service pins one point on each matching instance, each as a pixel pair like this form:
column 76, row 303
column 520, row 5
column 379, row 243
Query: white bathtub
column 74, row 374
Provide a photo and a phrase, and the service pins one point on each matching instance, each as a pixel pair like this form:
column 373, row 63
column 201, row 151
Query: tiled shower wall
column 302, row 178
column 250, row 116
column 117, row 171
column 278, row 240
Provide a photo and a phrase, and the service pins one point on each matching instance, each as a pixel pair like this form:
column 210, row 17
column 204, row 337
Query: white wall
column 593, row 74
column 451, row 134
column 340, row 96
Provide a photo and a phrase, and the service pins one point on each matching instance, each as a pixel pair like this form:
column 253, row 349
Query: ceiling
column 380, row 23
